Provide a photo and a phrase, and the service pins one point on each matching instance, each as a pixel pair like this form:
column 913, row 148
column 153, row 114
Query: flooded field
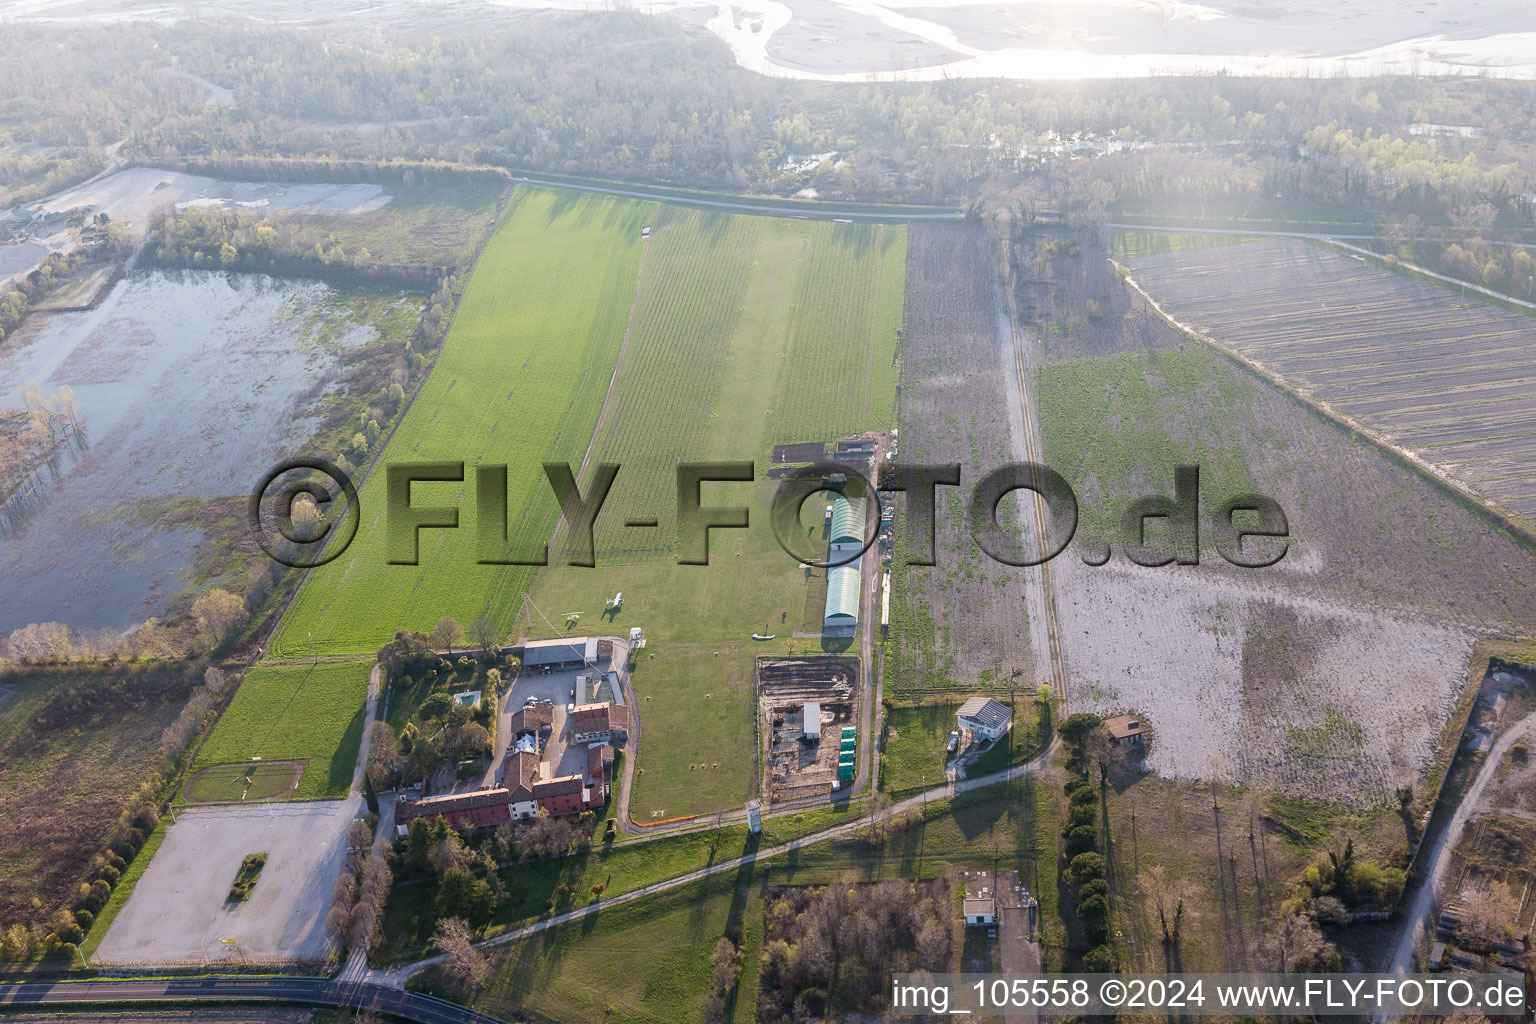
column 187, row 384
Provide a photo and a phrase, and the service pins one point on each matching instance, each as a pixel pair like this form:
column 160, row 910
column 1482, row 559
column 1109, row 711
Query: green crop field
column 747, row 331
column 303, row 712
column 1117, row 427
column 520, row 380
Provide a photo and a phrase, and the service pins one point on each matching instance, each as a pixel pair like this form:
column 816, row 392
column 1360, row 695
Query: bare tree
column 1489, row 912
column 483, row 632
column 466, row 969
column 383, row 754
column 446, row 633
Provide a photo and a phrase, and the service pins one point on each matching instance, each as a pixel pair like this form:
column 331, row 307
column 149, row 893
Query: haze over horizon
column 926, row 40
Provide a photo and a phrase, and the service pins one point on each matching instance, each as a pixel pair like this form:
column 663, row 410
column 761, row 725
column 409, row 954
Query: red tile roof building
column 599, row 723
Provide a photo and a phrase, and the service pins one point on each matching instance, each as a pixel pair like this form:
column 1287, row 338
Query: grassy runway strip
column 520, row 380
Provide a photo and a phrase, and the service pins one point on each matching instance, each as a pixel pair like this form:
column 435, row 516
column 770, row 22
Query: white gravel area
column 179, row 911
column 1317, row 699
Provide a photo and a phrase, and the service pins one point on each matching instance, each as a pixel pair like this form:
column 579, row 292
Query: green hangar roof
column 842, row 596
column 848, row 521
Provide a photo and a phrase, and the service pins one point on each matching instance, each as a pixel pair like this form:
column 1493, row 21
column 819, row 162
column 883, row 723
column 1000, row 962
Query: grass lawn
column 916, row 739
column 75, row 743
column 747, row 331
column 411, row 916
column 519, row 381
column 701, row 710
column 296, row 712
column 641, row 963
column 265, row 780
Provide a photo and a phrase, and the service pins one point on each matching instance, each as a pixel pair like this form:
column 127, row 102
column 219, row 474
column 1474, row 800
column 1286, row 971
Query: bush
column 1084, row 795
column 1093, row 908
column 1082, row 839
column 1099, row 960
column 1086, row 867
column 1097, row 887
column 1081, row 815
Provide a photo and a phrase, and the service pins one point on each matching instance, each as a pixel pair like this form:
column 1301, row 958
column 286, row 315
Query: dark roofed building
column 984, row 717
column 533, row 719
column 479, row 809
column 1125, row 730
column 559, row 653
column 600, row 723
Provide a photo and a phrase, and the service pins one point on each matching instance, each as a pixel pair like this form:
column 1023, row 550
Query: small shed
column 980, row 911
column 811, row 721
column 1126, row 730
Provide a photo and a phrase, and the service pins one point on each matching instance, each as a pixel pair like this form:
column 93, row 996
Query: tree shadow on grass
column 344, row 758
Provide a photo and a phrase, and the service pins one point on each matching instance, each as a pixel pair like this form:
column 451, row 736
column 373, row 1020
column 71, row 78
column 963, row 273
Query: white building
column 984, row 718
column 980, row 911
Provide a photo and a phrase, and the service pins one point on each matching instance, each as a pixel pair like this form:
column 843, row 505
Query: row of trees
column 362, row 889
column 211, row 619
column 281, row 244
column 1087, row 747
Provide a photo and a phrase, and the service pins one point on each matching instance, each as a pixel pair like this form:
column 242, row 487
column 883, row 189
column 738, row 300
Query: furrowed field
column 1445, row 376
column 520, row 381
column 747, row 331
column 298, row 712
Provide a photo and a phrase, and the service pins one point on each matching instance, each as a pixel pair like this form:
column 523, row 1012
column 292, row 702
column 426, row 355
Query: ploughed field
column 1328, row 675
column 1451, row 379
column 964, row 619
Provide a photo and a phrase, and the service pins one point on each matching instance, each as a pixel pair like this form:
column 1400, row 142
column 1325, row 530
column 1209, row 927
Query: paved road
column 809, row 213
column 310, row 991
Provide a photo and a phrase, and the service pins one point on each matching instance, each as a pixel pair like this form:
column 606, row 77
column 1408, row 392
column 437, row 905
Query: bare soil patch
column 792, row 766
column 1448, row 378
column 961, row 622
